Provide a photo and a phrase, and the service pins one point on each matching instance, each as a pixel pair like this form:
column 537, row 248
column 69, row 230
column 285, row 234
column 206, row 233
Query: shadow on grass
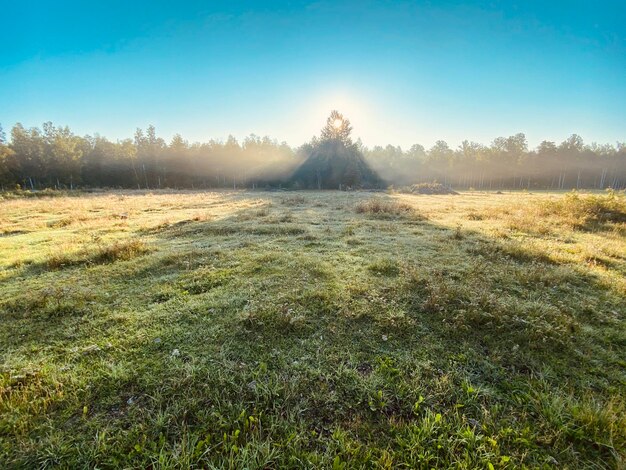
column 330, row 347
column 490, row 293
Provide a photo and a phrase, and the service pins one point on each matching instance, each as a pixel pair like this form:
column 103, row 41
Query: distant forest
column 54, row 157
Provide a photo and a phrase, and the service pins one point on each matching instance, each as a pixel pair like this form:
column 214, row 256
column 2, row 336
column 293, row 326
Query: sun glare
column 354, row 104
column 338, row 123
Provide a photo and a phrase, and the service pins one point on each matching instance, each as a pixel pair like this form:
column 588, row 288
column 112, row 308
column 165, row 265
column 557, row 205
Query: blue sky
column 403, row 72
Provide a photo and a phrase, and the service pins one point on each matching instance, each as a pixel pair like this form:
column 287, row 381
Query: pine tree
column 337, row 128
column 333, row 161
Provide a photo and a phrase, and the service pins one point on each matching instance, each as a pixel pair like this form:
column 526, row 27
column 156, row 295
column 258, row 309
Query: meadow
column 238, row 329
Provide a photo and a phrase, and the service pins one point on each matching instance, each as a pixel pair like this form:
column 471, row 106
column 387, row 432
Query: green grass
column 313, row 329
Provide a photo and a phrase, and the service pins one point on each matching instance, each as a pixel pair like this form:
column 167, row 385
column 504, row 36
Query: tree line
column 55, row 157
column 507, row 163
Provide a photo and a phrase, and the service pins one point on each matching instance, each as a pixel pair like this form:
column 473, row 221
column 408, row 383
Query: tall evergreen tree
column 333, row 161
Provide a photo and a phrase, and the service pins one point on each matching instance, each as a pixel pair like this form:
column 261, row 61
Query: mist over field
column 54, row 157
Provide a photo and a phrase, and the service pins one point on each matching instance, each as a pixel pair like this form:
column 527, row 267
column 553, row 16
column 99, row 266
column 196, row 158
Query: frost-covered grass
column 272, row 330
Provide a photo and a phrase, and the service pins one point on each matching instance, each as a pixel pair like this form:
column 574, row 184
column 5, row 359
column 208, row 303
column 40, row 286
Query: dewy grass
column 250, row 330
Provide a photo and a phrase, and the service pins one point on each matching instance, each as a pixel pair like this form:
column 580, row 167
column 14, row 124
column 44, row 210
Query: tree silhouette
column 333, row 161
column 337, row 128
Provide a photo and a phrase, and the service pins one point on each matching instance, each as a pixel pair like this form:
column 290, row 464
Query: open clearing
column 312, row 329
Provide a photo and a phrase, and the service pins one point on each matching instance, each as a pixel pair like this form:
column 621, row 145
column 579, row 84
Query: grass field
column 313, row 329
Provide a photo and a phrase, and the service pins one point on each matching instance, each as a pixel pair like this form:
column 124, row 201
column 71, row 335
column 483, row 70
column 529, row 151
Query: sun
column 337, row 123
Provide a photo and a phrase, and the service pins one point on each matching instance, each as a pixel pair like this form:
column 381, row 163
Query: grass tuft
column 295, row 200
column 586, row 212
column 428, row 188
column 382, row 208
column 123, row 250
column 384, row 267
column 117, row 251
